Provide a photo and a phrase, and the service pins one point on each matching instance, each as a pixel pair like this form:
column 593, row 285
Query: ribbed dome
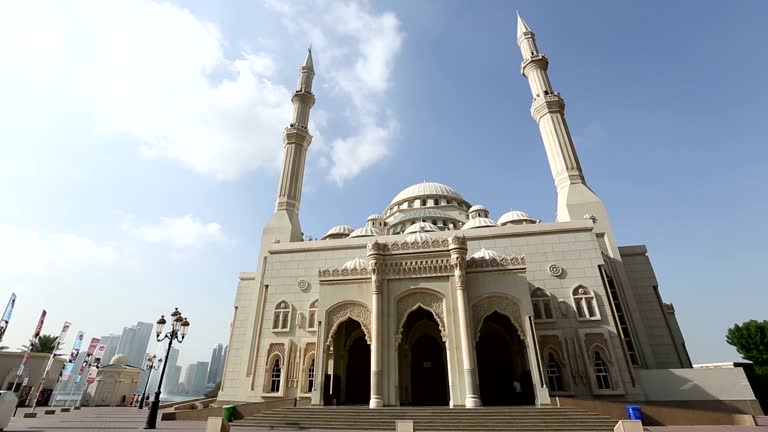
column 480, row 222
column 425, row 213
column 356, row 264
column 374, row 216
column 516, row 217
column 426, row 189
column 421, row 227
column 418, row 237
column 477, row 207
column 487, row 254
column 365, row 231
column 119, row 360
column 339, row 230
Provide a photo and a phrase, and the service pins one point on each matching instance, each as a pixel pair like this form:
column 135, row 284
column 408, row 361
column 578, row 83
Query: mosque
column 432, row 302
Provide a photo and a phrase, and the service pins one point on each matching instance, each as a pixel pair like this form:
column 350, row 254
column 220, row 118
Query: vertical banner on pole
column 96, row 363
column 59, row 342
column 73, row 356
column 32, row 342
column 88, row 355
column 7, row 315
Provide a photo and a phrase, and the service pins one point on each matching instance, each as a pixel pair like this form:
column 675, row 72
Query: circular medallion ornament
column 302, row 285
column 555, row 270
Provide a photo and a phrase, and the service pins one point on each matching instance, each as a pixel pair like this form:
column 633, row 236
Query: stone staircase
column 519, row 419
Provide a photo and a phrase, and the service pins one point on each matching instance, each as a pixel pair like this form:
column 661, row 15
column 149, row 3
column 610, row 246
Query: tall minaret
column 575, row 200
column 284, row 226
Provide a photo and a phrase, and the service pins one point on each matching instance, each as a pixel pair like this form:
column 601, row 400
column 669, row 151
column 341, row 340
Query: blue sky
column 141, row 141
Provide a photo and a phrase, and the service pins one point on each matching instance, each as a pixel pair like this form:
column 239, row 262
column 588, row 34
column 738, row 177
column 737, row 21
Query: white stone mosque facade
column 433, row 302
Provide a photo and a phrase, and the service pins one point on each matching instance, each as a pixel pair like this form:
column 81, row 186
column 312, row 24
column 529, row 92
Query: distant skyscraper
column 198, row 381
column 111, row 341
column 217, row 363
column 171, row 382
column 189, row 377
column 134, row 343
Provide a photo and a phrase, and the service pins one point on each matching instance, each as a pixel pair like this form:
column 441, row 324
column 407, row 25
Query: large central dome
column 426, row 188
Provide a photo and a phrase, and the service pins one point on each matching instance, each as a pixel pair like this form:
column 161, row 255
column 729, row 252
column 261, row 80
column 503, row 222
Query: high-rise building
column 189, row 377
column 171, row 382
column 134, row 343
column 111, row 341
column 199, row 378
column 217, row 364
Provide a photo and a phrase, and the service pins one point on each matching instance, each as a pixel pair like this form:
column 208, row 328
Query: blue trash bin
column 634, row 412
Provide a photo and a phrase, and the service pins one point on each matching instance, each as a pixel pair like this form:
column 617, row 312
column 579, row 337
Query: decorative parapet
column 377, row 247
column 343, row 273
column 514, row 262
column 393, row 269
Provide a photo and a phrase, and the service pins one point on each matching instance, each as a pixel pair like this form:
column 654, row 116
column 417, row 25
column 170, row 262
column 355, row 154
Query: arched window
column 542, row 305
column 312, row 316
column 282, row 317
column 311, row 375
column 585, row 304
column 274, row 381
column 554, row 374
column 601, row 372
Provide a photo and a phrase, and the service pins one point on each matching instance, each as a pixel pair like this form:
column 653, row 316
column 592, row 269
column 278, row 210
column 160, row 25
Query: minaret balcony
column 548, row 103
column 538, row 60
column 297, row 134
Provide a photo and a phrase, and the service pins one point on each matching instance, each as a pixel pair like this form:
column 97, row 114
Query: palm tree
column 45, row 344
column 4, row 348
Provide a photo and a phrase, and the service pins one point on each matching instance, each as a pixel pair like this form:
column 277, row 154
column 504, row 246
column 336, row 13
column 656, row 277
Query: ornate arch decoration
column 496, row 302
column 597, row 342
column 420, row 298
column 345, row 310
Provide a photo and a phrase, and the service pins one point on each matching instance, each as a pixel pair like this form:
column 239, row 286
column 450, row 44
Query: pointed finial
column 522, row 27
column 308, row 61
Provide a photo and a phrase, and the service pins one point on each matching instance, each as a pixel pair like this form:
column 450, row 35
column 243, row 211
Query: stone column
column 376, row 262
column 458, row 248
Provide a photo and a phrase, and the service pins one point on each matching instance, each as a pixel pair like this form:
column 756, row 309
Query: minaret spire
column 575, row 200
column 284, row 226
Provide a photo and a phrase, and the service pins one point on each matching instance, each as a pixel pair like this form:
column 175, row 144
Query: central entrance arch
column 352, row 365
column 422, row 361
column 502, row 360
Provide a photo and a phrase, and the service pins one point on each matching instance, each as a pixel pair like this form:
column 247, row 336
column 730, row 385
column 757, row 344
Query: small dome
column 339, row 231
column 487, row 254
column 426, row 189
column 119, row 360
column 477, row 207
column 516, row 217
column 479, row 222
column 356, row 264
column 374, row 216
column 421, row 227
column 418, row 237
column 365, row 231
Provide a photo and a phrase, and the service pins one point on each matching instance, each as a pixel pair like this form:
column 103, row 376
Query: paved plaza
column 95, row 420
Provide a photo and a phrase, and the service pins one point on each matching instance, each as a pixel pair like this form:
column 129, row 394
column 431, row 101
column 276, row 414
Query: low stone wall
column 242, row 410
column 670, row 413
column 168, row 405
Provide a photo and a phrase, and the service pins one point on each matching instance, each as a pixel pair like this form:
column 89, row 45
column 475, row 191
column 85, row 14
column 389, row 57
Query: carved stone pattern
column 602, row 244
column 405, row 245
column 426, row 299
column 555, row 270
column 502, row 304
column 507, row 261
column 539, row 292
column 278, row 348
column 425, row 267
column 592, row 339
column 309, row 348
column 338, row 272
column 550, row 341
column 302, row 284
column 356, row 311
column 459, row 241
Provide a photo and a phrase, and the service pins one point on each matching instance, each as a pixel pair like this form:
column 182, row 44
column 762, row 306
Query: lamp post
column 179, row 329
column 151, row 364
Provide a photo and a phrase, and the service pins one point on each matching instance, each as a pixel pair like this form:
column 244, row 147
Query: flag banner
column 7, row 315
column 59, row 343
column 73, row 356
column 32, row 342
column 88, row 355
column 96, row 363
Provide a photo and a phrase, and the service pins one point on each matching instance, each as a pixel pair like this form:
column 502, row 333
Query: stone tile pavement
column 95, row 420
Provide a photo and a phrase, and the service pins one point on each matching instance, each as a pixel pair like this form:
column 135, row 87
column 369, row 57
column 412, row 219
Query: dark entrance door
column 358, row 374
column 428, row 372
column 502, row 361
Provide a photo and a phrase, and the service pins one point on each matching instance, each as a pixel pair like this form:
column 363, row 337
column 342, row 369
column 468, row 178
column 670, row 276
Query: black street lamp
column 151, row 364
column 179, row 329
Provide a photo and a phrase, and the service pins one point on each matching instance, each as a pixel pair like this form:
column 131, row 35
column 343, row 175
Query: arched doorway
column 422, row 361
column 502, row 360
column 352, row 365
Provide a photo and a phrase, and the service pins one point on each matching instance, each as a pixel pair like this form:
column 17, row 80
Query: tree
column 751, row 341
column 45, row 344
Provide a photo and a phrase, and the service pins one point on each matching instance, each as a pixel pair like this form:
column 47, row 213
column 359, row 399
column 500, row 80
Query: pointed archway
column 351, row 366
column 502, row 363
column 422, row 361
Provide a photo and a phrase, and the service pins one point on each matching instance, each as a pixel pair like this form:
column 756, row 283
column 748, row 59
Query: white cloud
column 149, row 70
column 358, row 49
column 26, row 251
column 182, row 232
